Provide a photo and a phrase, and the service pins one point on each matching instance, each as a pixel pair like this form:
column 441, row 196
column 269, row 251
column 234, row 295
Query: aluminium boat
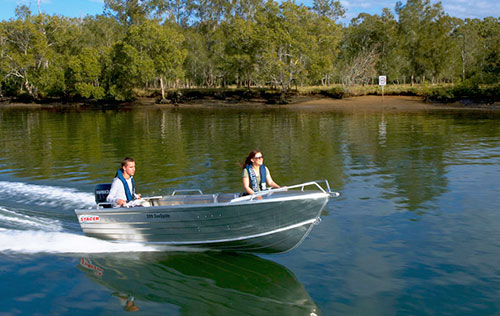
column 270, row 221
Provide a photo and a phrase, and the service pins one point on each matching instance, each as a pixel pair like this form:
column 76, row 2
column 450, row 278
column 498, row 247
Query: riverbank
column 386, row 103
column 363, row 103
column 366, row 103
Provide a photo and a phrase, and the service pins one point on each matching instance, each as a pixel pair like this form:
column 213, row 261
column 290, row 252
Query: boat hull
column 268, row 225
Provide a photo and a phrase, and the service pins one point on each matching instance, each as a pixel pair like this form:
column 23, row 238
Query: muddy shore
column 352, row 104
column 387, row 104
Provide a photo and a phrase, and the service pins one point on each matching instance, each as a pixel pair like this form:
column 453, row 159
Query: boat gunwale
column 142, row 209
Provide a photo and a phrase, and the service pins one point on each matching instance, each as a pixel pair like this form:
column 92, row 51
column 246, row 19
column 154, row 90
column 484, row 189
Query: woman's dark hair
column 248, row 160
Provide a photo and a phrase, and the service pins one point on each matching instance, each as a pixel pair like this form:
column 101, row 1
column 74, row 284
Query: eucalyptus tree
column 3, row 57
column 127, row 12
column 363, row 46
column 197, row 64
column 205, row 44
column 441, row 59
column 359, row 49
column 27, row 54
column 244, row 9
column 490, row 33
column 89, row 61
column 241, row 49
column 128, row 69
column 101, row 31
column 209, row 13
column 285, row 31
column 241, row 43
column 390, row 49
column 417, row 19
column 177, row 11
column 331, row 9
column 149, row 51
column 163, row 45
column 327, row 35
column 466, row 35
column 83, row 75
column 479, row 46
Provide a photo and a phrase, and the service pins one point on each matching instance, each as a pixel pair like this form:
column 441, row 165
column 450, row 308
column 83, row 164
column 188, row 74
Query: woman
column 256, row 176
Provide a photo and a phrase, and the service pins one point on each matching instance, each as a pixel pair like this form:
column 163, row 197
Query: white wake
column 18, row 219
column 45, row 195
column 31, row 241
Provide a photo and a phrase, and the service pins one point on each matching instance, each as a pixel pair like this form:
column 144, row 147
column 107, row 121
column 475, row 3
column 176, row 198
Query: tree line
column 162, row 44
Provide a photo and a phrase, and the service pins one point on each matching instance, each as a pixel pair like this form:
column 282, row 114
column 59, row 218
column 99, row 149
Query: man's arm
column 117, row 193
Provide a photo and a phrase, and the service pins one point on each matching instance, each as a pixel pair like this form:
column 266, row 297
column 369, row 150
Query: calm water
column 416, row 230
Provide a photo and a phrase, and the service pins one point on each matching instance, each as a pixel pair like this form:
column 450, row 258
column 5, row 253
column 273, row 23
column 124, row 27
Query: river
column 415, row 230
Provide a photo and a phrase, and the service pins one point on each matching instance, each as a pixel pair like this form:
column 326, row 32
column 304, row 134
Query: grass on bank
column 465, row 93
column 439, row 93
column 445, row 93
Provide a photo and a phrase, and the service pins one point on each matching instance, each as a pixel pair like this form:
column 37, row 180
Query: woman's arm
column 246, row 185
column 270, row 181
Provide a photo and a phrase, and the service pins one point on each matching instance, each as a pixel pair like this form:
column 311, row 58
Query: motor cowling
column 101, row 192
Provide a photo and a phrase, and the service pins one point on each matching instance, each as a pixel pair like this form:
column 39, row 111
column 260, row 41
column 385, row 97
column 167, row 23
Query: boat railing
column 300, row 186
column 156, row 200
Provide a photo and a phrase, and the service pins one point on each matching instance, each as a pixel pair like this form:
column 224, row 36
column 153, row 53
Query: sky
column 79, row 8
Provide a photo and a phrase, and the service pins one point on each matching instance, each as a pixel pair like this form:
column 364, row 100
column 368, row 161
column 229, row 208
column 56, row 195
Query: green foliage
column 159, row 48
column 83, row 75
column 129, row 68
column 465, row 91
column 155, row 45
column 335, row 92
column 287, row 41
column 240, row 51
column 127, row 12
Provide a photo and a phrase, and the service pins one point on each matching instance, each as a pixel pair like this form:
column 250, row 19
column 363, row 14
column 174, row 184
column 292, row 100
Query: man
column 123, row 187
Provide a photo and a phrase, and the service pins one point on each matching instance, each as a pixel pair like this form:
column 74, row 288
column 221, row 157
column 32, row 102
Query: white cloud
column 458, row 8
column 466, row 9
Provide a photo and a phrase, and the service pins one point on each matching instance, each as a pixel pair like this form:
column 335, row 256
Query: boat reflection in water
column 201, row 283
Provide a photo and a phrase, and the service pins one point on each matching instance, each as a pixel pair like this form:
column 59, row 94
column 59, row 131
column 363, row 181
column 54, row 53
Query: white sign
column 382, row 80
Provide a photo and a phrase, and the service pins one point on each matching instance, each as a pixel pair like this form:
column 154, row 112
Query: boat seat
column 186, row 199
column 227, row 197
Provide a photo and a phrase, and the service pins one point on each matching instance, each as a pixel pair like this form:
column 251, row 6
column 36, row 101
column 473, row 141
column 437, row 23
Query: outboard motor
column 101, row 193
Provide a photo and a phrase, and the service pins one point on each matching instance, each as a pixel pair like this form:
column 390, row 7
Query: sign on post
column 382, row 80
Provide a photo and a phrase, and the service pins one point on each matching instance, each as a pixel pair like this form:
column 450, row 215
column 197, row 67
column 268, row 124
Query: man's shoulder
column 115, row 181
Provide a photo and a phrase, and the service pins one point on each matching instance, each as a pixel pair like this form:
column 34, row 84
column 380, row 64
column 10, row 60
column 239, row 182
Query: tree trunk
column 162, row 89
column 463, row 65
